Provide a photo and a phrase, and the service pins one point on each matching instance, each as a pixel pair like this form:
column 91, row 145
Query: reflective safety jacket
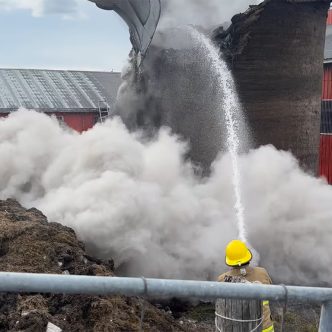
column 252, row 274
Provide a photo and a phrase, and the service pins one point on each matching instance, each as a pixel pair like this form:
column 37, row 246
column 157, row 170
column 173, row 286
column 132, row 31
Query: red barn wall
column 327, row 83
column 329, row 18
column 77, row 121
column 325, row 158
column 325, row 162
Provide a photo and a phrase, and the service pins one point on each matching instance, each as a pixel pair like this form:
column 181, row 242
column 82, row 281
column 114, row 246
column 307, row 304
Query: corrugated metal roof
column 56, row 90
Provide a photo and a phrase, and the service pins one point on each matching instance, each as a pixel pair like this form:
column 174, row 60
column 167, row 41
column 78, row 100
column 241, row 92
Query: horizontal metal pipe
column 156, row 288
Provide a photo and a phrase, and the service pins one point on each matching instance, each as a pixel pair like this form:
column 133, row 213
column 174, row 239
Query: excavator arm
column 142, row 17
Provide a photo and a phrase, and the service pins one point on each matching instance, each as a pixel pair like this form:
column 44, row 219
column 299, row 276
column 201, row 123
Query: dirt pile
column 28, row 243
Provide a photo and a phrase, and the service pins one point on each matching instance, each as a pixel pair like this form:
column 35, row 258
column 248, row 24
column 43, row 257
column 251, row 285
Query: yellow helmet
column 237, row 253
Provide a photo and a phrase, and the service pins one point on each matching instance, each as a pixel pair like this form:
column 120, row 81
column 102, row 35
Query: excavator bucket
column 142, row 17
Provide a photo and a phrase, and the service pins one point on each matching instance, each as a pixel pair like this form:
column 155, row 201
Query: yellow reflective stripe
column 266, row 302
column 269, row 329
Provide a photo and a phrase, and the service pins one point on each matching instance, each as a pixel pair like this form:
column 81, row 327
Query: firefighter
column 238, row 257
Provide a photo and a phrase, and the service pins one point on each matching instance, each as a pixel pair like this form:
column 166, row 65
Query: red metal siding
column 325, row 160
column 78, row 121
column 327, row 82
column 329, row 18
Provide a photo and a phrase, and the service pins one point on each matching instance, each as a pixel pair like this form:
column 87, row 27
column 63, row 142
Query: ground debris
column 28, row 243
column 52, row 328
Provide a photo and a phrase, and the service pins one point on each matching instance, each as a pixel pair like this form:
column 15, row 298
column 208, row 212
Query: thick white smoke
column 207, row 14
column 41, row 7
column 137, row 200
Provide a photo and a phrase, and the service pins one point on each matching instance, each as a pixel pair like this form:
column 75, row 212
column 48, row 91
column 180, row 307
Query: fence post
column 238, row 315
column 325, row 324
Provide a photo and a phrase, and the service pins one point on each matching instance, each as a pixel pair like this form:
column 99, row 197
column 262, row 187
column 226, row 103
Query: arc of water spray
column 231, row 107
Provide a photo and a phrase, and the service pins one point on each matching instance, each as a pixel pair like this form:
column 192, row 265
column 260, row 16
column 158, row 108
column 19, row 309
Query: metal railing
column 162, row 288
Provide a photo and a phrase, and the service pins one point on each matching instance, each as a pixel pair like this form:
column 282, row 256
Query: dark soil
column 28, row 243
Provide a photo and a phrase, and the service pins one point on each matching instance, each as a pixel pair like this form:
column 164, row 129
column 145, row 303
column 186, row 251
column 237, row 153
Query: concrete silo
column 276, row 52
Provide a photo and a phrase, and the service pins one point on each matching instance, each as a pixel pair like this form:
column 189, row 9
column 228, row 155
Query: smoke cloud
column 138, row 201
column 42, row 7
column 206, row 14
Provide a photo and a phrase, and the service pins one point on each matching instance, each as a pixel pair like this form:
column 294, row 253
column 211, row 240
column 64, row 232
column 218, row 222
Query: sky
column 75, row 34
column 61, row 34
